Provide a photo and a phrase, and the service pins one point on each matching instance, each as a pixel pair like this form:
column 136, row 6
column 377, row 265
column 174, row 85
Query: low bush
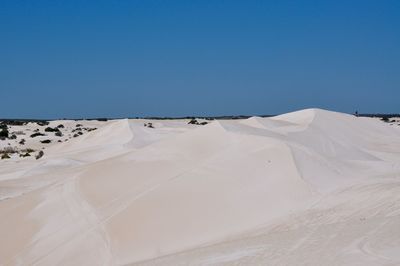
column 193, row 122
column 42, row 123
column 58, row 134
column 4, row 133
column 49, row 129
column 37, row 134
column 39, row 155
column 5, row 156
column 22, row 142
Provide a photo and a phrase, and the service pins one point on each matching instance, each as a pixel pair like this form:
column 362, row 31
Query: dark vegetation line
column 380, row 115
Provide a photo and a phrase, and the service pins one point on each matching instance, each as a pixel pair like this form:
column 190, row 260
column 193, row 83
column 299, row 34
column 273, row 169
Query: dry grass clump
column 8, row 150
column 18, row 133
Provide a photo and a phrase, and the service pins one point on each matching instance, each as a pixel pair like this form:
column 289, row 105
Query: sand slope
column 306, row 188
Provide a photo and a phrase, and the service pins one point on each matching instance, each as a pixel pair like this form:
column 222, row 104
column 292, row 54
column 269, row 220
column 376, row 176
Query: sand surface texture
column 311, row 187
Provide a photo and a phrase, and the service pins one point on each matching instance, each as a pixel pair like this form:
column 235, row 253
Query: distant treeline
column 44, row 122
column 380, row 115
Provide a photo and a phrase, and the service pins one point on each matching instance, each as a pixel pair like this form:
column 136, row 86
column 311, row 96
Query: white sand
column 307, row 188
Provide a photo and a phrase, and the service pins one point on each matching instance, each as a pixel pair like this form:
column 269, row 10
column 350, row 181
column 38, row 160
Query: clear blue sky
column 176, row 58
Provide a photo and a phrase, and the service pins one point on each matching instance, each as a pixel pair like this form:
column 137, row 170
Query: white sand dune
column 311, row 187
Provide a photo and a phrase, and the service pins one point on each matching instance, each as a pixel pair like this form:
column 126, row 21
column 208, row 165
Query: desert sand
column 312, row 187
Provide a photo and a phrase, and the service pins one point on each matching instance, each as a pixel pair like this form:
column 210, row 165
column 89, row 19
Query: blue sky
column 177, row 58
